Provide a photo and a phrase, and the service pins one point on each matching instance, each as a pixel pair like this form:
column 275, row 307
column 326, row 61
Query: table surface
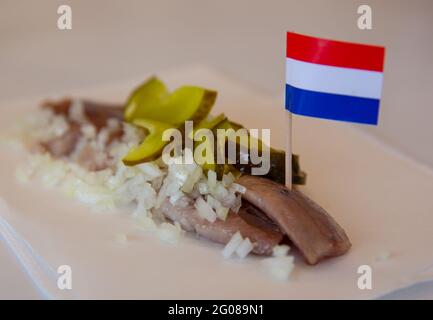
column 135, row 37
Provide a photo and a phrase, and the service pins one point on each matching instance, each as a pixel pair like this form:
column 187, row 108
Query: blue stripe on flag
column 332, row 106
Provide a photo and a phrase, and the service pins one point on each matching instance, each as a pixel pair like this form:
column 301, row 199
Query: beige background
column 113, row 40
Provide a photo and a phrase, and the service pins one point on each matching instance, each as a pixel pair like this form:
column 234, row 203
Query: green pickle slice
column 208, row 124
column 277, row 159
column 153, row 101
column 152, row 107
column 152, row 145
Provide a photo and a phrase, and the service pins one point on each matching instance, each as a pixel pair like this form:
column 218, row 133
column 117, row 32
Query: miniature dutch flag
column 333, row 79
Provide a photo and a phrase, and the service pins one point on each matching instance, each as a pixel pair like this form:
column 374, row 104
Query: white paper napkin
column 383, row 200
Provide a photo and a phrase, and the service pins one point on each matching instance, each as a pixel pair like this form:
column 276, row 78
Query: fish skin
column 310, row 228
column 220, row 231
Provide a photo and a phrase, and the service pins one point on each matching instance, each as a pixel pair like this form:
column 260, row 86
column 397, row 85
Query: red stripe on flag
column 334, row 53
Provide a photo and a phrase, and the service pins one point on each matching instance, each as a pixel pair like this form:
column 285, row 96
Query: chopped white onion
column 244, row 248
column 235, row 187
column 203, row 188
column 232, row 245
column 169, row 233
column 76, row 111
column 88, row 130
column 280, row 250
column 204, row 210
column 147, row 223
column 237, row 205
column 228, row 179
column 219, row 192
column 212, row 202
column 192, row 179
column 211, row 179
column 222, row 213
column 280, row 268
column 176, row 196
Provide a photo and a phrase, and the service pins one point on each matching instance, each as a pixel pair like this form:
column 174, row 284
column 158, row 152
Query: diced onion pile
column 143, row 187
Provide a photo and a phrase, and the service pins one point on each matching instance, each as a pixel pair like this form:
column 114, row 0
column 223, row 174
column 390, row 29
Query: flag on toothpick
column 333, row 79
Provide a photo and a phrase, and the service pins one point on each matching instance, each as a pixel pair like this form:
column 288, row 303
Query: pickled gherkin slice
column 153, row 101
column 208, row 124
column 277, row 170
column 152, row 107
column 152, row 145
column 147, row 96
column 298, row 176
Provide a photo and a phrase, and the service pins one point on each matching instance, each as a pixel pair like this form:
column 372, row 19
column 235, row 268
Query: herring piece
column 97, row 113
column 312, row 230
column 221, row 231
column 65, row 144
column 93, row 115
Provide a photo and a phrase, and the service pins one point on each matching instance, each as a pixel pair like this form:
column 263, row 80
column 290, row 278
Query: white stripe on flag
column 337, row 80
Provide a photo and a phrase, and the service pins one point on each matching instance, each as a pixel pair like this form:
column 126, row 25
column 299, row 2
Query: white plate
column 383, row 200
